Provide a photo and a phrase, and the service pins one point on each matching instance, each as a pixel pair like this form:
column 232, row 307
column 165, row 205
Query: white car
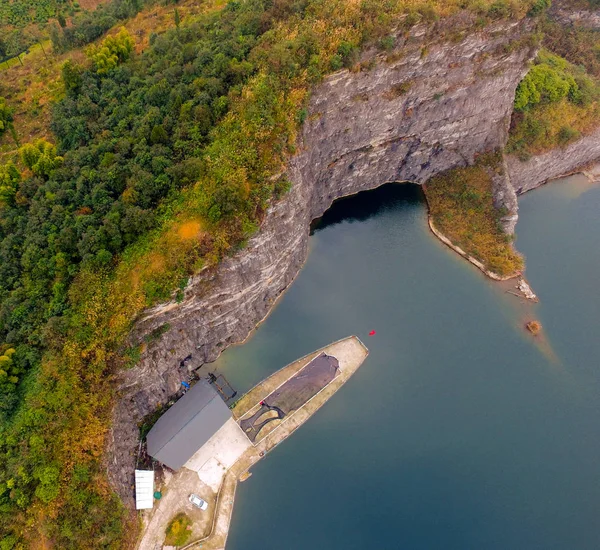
column 198, row 502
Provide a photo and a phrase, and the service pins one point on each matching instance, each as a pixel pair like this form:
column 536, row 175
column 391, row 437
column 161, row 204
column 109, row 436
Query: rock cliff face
column 422, row 109
column 568, row 15
column 527, row 175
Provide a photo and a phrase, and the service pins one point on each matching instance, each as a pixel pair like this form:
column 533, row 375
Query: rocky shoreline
column 408, row 117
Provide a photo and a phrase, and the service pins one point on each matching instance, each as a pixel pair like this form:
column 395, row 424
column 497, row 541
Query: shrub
column 538, row 7
column 348, row 53
column 177, row 531
column 336, row 63
column 586, row 92
column 387, row 43
column 500, row 9
column 566, row 135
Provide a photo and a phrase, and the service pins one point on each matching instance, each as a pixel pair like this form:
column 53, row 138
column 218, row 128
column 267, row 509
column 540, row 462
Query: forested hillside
column 159, row 162
column 24, row 23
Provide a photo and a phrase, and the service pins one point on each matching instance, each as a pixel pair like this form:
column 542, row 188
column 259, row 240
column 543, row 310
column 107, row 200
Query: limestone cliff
column 569, row 14
column 428, row 106
column 529, row 174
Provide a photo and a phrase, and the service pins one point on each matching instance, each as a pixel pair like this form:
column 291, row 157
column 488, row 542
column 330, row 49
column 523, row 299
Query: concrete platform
column 219, row 454
column 229, row 454
column 351, row 353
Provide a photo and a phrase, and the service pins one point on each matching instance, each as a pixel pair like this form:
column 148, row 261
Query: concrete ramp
column 212, row 473
column 226, row 446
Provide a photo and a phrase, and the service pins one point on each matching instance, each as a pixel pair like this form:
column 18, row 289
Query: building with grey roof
column 187, row 425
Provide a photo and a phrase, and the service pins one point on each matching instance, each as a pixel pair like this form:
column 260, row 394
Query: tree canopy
column 6, row 116
column 548, row 81
column 113, row 50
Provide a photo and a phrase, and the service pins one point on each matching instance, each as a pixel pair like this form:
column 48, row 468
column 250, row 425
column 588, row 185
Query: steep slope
column 529, row 174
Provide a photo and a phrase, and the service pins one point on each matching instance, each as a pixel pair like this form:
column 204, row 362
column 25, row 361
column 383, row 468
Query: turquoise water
column 458, row 432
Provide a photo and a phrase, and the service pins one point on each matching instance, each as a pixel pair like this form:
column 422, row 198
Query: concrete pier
column 212, row 528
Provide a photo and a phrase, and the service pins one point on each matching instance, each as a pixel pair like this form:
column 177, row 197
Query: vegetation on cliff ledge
column 164, row 163
column 555, row 104
column 461, row 207
column 559, row 99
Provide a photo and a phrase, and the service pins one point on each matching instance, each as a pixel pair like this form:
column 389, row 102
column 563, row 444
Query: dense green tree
column 40, row 157
column 9, row 378
column 113, row 50
column 9, row 183
column 6, row 116
column 548, row 81
column 71, row 76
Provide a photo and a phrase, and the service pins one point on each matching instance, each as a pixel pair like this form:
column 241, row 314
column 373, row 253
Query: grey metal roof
column 187, row 425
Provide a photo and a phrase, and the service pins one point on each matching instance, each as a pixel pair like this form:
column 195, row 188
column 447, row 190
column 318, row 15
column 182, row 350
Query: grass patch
column 461, row 207
column 398, row 90
column 179, row 530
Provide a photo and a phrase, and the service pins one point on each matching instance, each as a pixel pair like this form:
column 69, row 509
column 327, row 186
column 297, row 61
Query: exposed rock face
column 527, row 175
column 414, row 114
column 506, row 197
column 566, row 15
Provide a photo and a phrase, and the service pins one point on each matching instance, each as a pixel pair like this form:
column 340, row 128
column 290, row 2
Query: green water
column 458, row 431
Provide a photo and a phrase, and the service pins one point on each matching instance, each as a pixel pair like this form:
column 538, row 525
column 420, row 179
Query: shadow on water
column 368, row 204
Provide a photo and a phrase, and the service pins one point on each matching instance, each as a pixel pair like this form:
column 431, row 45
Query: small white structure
column 144, row 489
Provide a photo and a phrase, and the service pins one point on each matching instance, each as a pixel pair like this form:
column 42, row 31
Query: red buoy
column 372, row 333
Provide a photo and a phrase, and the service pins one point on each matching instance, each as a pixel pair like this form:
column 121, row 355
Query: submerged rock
column 534, row 327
